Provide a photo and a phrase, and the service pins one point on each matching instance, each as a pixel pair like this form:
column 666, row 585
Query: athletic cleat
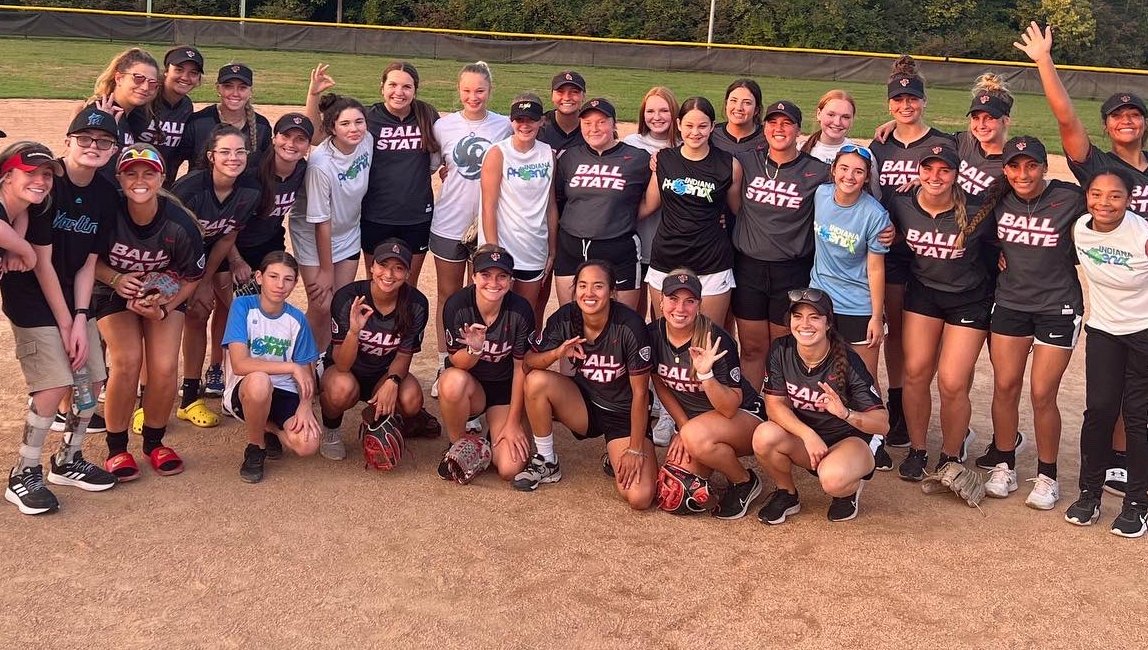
column 664, row 430
column 26, row 490
column 913, row 467
column 1085, row 510
column 781, row 504
column 882, row 460
column 537, row 472
column 332, row 447
column 1131, row 520
column 845, row 508
column 1116, row 481
column 213, row 382
column 970, row 436
column 1002, row 481
column 993, row 456
column 735, row 502
column 82, row 474
column 272, row 445
column 1045, row 493
column 251, row 471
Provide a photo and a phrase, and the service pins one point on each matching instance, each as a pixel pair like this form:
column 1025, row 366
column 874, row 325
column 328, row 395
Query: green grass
column 66, row 69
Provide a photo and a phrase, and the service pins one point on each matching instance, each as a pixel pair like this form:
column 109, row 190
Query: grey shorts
column 448, row 250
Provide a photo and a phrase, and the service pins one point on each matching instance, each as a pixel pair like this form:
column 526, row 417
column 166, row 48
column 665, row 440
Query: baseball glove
column 969, row 485
column 383, row 444
column 683, row 493
column 467, row 458
column 157, row 287
column 940, row 480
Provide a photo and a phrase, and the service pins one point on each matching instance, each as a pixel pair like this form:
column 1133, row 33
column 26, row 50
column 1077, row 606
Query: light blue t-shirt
column 285, row 337
column 844, row 239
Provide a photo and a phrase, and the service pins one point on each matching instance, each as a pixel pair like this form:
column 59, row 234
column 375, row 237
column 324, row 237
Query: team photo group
column 729, row 279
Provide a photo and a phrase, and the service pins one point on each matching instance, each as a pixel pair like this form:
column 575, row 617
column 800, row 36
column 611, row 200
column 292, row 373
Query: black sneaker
column 882, row 459
column 993, row 456
column 80, row 473
column 537, row 472
column 736, row 500
column 607, row 468
column 251, row 471
column 780, row 505
column 913, row 467
column 273, row 448
column 60, row 423
column 1116, row 481
column 26, row 490
column 1131, row 520
column 1085, row 510
column 945, row 459
column 898, row 437
column 845, row 508
column 96, row 425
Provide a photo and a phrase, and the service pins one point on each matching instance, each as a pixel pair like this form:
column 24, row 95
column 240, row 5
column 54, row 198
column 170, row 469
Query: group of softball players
column 733, row 281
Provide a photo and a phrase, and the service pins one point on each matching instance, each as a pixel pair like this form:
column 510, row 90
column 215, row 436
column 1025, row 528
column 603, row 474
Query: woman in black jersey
column 693, row 185
column 125, row 90
column 223, row 199
column 376, row 328
column 825, row 414
column 234, row 84
column 608, row 396
column 172, row 108
column 487, row 330
column 698, row 378
column 948, row 301
column 741, row 132
column 773, row 237
column 1038, row 306
column 600, row 186
column 896, row 161
column 151, row 261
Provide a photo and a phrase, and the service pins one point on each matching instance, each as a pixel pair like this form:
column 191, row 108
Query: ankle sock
column 153, row 438
column 190, row 392
column 1048, row 469
column 117, row 442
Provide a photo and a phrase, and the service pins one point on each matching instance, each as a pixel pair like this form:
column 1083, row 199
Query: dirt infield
column 325, row 554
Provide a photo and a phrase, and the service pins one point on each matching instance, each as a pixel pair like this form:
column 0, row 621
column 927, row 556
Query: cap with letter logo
column 236, row 72
column 1120, row 100
column 183, row 54
column 786, row 108
column 526, row 108
column 568, row 78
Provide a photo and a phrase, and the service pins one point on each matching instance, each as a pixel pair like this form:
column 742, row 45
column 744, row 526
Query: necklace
column 811, row 366
column 775, row 174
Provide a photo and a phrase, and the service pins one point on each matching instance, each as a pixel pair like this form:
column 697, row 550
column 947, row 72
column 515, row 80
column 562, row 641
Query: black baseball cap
column 994, row 105
column 905, row 84
column 601, row 105
column 500, row 260
column 527, row 108
column 815, row 298
column 393, row 248
column 1120, row 100
column 183, row 54
column 1024, row 145
column 93, row 119
column 568, row 78
column 786, row 108
column 32, row 158
column 940, row 152
column 236, row 71
column 682, row 280
column 295, row 121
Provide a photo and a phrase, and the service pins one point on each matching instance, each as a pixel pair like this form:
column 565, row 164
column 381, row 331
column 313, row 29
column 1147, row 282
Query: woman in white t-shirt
column 464, row 136
column 518, row 207
column 325, row 218
column 835, row 112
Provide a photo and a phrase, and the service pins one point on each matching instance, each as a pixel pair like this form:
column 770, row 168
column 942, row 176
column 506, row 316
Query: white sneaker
column 1002, row 481
column 656, row 408
column 434, row 386
column 664, row 430
column 1045, row 493
column 474, row 425
column 332, row 447
column 970, row 437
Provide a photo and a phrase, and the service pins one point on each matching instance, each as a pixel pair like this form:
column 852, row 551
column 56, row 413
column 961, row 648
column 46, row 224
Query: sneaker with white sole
column 26, row 490
column 332, row 447
column 1085, row 510
column 80, row 473
column 845, row 508
column 60, row 423
column 96, row 425
column 539, row 471
column 474, row 425
column 1002, row 481
column 1132, row 520
column 664, row 430
column 213, row 381
column 1045, row 493
column 737, row 499
column 970, row 437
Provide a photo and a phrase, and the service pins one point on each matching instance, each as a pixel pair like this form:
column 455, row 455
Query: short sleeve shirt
column 674, row 368
column 507, row 338
column 379, row 340
column 283, row 337
column 845, row 237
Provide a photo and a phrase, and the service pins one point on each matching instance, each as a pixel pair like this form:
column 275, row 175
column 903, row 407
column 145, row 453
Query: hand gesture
column 474, row 335
column 703, row 358
column 106, row 104
column 676, row 454
column 572, row 349
column 360, row 313
column 1035, row 42
column 320, row 80
column 831, row 402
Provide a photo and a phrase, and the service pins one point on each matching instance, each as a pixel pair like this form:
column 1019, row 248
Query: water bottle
column 82, row 389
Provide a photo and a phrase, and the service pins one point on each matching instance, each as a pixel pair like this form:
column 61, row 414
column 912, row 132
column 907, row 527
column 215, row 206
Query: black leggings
column 1116, row 379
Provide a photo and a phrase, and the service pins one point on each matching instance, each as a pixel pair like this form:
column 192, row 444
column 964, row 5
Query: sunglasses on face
column 859, row 150
column 814, row 295
column 86, row 141
column 141, row 80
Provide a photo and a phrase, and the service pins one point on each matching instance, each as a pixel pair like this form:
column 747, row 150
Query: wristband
column 472, row 352
column 395, row 378
column 702, row 376
column 635, row 452
column 848, row 414
column 82, row 310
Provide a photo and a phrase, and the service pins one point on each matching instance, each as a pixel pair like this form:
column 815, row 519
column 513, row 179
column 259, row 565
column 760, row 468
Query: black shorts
column 762, row 291
column 1056, row 330
column 756, row 408
column 874, row 443
column 416, row 236
column 367, row 383
column 284, row 404
column 106, row 304
column 600, row 422
column 624, row 254
column 898, row 262
column 254, row 255
column 529, row 275
column 854, row 329
column 497, row 392
column 972, row 308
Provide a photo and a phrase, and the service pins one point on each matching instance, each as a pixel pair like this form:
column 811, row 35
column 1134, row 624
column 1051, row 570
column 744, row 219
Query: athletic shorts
column 854, row 329
column 530, row 275
column 624, row 254
column 254, row 255
column 446, row 249
column 874, row 443
column 972, row 309
column 416, row 236
column 756, row 408
column 612, row 425
column 713, row 284
column 763, row 288
column 284, row 404
column 45, row 364
column 898, row 261
column 367, row 383
column 1056, row 330
column 107, row 304
column 497, row 392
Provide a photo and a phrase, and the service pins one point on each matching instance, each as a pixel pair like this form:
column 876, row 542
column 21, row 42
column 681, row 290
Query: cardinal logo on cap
column 938, row 149
column 594, row 103
column 568, row 77
column 1125, row 98
column 235, row 68
column 904, row 82
column 395, row 248
column 494, row 257
column 189, row 53
column 985, row 99
column 1021, row 145
column 683, row 277
column 297, row 120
